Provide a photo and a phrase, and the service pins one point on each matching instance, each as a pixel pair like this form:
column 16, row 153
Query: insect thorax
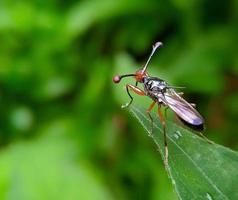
column 153, row 86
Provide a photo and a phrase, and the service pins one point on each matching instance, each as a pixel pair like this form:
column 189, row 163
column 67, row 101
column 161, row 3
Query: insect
column 162, row 94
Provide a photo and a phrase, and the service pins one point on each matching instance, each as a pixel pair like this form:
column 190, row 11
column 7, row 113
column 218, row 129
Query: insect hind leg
column 205, row 138
column 165, row 137
column 165, row 111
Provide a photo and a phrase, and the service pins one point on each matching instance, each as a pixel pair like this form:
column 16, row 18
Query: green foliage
column 198, row 169
column 47, row 169
column 57, row 60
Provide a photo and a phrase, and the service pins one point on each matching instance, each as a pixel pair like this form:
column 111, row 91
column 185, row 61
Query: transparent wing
column 181, row 107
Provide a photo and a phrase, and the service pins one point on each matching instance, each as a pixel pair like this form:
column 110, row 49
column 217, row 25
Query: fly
column 162, row 94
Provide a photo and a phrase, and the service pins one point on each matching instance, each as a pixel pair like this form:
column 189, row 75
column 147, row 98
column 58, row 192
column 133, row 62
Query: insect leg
column 205, row 138
column 165, row 112
column 180, row 93
column 151, row 119
column 165, row 137
column 134, row 89
column 193, row 105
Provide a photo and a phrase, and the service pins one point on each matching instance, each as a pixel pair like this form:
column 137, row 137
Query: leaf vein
column 185, row 153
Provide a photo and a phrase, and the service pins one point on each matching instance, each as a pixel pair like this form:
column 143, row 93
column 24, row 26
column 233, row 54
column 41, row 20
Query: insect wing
column 181, row 107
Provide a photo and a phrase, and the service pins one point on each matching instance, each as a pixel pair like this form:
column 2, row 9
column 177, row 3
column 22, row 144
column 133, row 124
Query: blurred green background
column 63, row 134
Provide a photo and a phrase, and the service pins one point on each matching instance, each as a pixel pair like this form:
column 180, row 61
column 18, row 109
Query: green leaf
column 197, row 169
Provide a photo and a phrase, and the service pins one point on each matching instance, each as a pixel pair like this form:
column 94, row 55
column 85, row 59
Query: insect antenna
column 117, row 78
column 155, row 46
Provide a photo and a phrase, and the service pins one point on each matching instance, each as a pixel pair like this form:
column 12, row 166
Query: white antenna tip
column 157, row 44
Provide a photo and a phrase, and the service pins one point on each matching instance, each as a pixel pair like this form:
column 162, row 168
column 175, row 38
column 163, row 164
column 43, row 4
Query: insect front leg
column 151, row 118
column 165, row 137
column 134, row 89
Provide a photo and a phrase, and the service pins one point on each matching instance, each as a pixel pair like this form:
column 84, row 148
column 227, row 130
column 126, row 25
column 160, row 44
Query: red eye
column 139, row 75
